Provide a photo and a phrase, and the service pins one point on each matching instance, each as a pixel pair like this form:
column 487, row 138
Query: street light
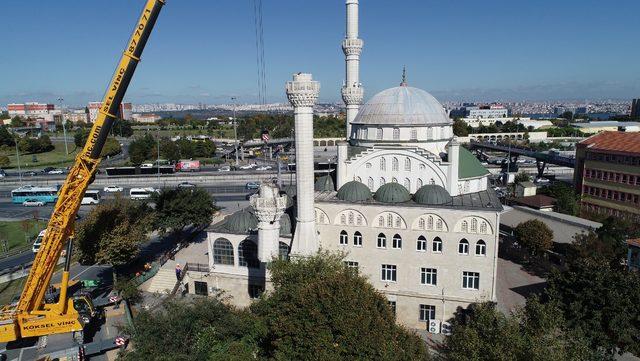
column 235, row 128
column 64, row 128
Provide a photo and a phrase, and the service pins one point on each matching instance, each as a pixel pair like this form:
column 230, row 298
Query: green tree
column 111, row 147
column 322, row 310
column 6, row 139
column 186, row 148
column 460, row 128
column 122, row 128
column 179, row 208
column 112, row 232
column 169, row 150
column 535, row 236
column 204, row 149
column 522, row 177
column 4, row 161
column 566, row 198
column 4, row 115
column 17, row 121
column 601, row 301
column 141, row 149
column 534, row 332
column 80, row 137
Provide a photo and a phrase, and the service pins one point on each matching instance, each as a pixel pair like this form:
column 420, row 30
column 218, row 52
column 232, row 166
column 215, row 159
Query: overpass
column 542, row 159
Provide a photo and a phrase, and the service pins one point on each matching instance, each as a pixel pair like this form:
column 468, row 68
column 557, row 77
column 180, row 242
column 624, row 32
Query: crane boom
column 32, row 317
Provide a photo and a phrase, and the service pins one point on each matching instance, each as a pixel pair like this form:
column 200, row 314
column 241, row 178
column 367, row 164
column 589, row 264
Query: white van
column 141, row 193
column 91, row 197
column 38, row 241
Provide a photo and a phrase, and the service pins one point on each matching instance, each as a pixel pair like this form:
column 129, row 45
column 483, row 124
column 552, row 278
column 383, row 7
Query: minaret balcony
column 352, row 95
column 352, row 46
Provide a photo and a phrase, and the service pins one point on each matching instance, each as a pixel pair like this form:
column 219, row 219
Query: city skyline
column 195, row 58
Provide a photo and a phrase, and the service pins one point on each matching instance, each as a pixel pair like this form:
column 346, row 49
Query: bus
column 141, row 193
column 91, row 197
column 42, row 194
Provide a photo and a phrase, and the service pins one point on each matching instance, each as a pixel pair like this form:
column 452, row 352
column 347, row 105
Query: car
column 30, row 173
column 186, row 185
column 224, row 168
column 38, row 241
column 248, row 166
column 264, row 167
column 542, row 181
column 252, row 185
column 55, row 171
column 146, row 165
column 112, row 189
column 33, row 203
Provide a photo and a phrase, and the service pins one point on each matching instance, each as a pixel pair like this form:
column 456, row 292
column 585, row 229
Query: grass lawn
column 226, row 132
column 14, row 232
column 11, row 290
column 54, row 158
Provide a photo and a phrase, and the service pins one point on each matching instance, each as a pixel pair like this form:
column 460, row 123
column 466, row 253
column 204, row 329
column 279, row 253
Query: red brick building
column 607, row 173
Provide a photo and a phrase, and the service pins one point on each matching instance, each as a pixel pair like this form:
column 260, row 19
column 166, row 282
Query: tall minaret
column 269, row 206
column 352, row 91
column 303, row 93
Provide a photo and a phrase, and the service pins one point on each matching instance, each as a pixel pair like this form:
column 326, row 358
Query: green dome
column 241, row 222
column 354, row 191
column 324, row 183
column 432, row 194
column 285, row 225
column 392, row 193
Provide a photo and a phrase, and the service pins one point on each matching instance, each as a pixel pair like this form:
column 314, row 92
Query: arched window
column 379, row 134
column 419, row 183
column 465, row 226
column 439, row 224
column 421, row 245
column 344, row 238
column 421, row 223
column 463, row 246
column 481, row 248
column 248, row 254
column 407, row 164
column 430, row 223
column 382, row 241
column 381, row 221
column 397, row 241
column 321, row 217
column 370, row 183
column 483, row 227
column 407, row 184
column 395, row 164
column 383, row 163
column 368, row 165
column 283, row 251
column 474, row 225
column 422, row 166
column 358, row 179
column 382, row 181
column 223, row 252
column 343, row 219
column 437, row 245
column 357, row 239
column 396, row 133
column 389, row 220
column 351, row 218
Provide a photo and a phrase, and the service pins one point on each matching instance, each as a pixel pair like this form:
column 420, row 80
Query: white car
column 264, row 167
column 225, row 168
column 56, row 171
column 112, row 189
column 33, row 203
column 542, row 181
column 248, row 166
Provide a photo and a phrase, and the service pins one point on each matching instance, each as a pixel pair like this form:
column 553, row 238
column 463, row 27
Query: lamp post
column 64, row 128
column 18, row 158
column 235, row 129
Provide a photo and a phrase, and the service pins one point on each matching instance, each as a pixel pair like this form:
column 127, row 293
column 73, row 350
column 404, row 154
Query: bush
column 535, row 236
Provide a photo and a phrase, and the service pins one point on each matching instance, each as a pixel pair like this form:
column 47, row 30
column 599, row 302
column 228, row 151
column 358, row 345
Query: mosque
column 408, row 206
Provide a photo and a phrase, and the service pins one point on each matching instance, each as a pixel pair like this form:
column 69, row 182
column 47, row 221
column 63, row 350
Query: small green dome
column 285, row 225
column 241, row 222
column 324, row 183
column 354, row 191
column 432, row 194
column 392, row 193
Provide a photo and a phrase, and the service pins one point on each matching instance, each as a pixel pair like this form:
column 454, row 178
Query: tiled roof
column 614, row 142
column 538, row 201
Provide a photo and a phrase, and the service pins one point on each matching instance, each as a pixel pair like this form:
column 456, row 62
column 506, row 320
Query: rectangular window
column 392, row 304
column 428, row 276
column 471, row 280
column 351, row 264
column 201, row 288
column 389, row 272
column 427, row 313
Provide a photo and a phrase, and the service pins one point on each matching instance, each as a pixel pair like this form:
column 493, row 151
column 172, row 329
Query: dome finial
column 404, row 76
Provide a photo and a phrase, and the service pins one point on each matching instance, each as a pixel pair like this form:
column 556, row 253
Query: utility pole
column 15, row 140
column 158, row 160
column 235, row 128
column 64, row 128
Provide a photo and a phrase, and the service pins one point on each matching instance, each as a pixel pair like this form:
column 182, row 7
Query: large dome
column 402, row 105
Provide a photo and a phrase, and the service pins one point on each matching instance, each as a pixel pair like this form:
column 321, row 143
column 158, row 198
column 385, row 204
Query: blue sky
column 204, row 50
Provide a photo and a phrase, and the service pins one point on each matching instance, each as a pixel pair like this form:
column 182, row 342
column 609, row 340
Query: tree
column 186, row 148
column 460, row 128
column 141, row 149
column 4, row 161
column 204, row 149
column 522, row 177
column 534, row 235
column 179, row 208
column 6, row 139
column 17, row 121
column 566, row 198
column 169, row 150
column 112, row 232
column 80, row 137
column 111, row 147
column 533, row 332
column 122, row 128
column 322, row 310
column 601, row 301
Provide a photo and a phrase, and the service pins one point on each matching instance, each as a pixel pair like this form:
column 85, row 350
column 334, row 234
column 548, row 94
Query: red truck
column 188, row 166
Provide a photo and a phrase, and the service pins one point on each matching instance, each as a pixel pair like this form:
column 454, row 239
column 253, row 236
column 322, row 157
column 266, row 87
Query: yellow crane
column 32, row 316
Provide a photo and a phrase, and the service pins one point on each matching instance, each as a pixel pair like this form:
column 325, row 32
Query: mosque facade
column 407, row 206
